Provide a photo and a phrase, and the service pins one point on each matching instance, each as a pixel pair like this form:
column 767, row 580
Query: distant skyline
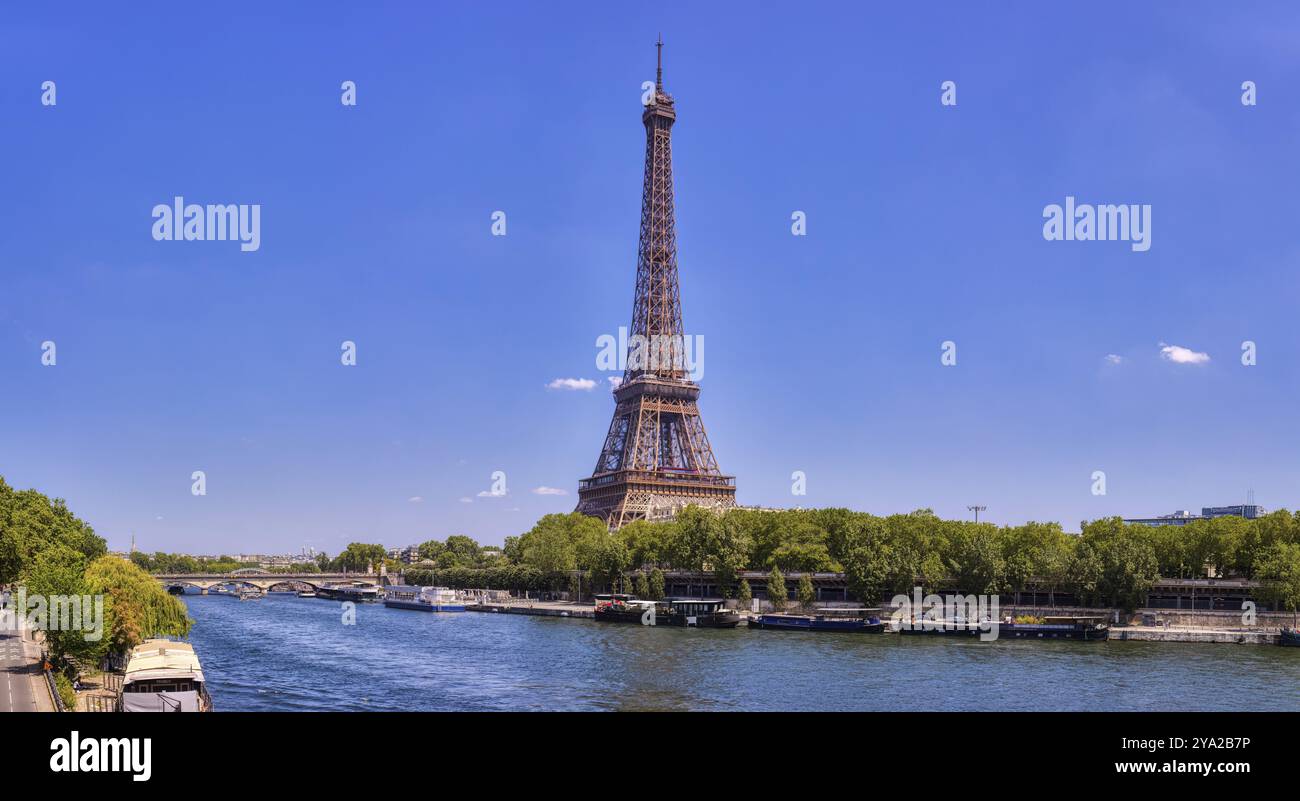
column 476, row 405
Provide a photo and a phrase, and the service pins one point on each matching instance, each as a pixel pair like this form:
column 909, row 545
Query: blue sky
column 822, row 352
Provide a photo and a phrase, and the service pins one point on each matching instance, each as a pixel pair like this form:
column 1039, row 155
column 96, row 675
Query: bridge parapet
column 206, row 581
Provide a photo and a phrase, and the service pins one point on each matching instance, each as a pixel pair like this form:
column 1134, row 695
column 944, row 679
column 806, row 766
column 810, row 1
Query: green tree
column 803, row 548
column 807, row 594
column 1116, row 562
column 57, row 592
column 430, row 550
column 641, row 587
column 608, row 560
column 360, row 557
column 862, row 546
column 463, row 551
column 656, row 592
column 30, row 522
column 975, row 558
column 777, row 594
column 137, row 606
column 1278, row 570
column 708, row 542
column 648, row 544
column 745, row 595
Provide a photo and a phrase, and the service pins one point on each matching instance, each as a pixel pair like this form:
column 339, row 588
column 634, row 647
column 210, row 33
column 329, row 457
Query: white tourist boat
column 423, row 599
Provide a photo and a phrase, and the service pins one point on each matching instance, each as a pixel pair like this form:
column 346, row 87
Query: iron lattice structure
column 656, row 457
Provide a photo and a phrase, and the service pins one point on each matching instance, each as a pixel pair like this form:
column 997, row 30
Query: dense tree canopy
column 31, row 522
column 56, row 558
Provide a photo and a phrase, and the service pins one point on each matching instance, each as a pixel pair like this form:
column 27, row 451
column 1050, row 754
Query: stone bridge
column 265, row 580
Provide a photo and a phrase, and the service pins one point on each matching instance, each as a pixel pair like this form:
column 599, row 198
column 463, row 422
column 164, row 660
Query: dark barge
column 831, row 620
column 704, row 613
column 1052, row 628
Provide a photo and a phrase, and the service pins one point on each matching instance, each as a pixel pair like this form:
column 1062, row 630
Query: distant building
column 408, row 555
column 1184, row 516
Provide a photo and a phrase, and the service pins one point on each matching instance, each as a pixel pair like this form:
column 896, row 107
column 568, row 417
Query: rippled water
column 288, row 653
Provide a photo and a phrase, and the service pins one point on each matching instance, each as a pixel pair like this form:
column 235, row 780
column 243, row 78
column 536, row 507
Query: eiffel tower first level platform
column 656, row 457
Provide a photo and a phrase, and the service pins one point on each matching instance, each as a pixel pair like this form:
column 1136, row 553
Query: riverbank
column 1170, row 633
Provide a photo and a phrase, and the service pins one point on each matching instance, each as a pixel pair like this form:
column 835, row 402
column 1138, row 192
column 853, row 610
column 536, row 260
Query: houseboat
column 952, row 628
column 835, row 620
column 710, row 613
column 1289, row 637
column 1057, row 627
column 1052, row 628
column 422, row 599
column 164, row 676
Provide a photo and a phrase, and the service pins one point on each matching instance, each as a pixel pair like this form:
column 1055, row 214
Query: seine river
column 295, row 654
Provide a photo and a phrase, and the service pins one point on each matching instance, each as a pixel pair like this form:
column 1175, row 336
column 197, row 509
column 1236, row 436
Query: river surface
column 296, row 654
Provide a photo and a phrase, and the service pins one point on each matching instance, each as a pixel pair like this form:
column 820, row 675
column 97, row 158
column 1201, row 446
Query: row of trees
column 47, row 550
column 1108, row 563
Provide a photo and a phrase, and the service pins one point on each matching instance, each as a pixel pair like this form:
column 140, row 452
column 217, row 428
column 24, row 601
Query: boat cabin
column 164, row 676
column 694, row 607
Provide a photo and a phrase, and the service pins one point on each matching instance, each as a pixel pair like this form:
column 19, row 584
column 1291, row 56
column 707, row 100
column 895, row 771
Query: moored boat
column 833, row 620
column 422, row 599
column 1057, row 627
column 357, row 593
column 1289, row 637
column 1060, row 627
column 705, row 613
column 164, row 676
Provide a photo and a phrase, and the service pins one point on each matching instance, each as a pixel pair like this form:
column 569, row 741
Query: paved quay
column 1193, row 634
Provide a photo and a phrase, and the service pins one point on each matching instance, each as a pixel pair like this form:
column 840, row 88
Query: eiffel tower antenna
column 656, row 457
column 659, row 58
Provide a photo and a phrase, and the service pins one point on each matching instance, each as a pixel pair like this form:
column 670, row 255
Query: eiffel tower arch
column 656, row 457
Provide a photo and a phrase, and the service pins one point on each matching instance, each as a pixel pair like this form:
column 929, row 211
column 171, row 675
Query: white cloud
column 615, row 381
column 491, row 494
column 584, row 384
column 415, row 499
column 1180, row 355
column 1111, row 358
column 549, row 491
column 466, row 500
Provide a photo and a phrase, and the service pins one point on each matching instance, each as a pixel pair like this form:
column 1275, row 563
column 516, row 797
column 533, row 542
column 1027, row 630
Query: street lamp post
column 976, row 510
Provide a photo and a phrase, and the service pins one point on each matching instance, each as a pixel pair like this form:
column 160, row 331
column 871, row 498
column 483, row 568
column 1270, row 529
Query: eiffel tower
column 656, row 457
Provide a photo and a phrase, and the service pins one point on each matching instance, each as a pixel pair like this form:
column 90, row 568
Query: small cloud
column 158, row 517
column 466, row 500
column 584, row 384
column 1111, row 358
column 615, row 381
column 415, row 499
column 491, row 494
column 1180, row 355
column 513, row 509
column 549, row 491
